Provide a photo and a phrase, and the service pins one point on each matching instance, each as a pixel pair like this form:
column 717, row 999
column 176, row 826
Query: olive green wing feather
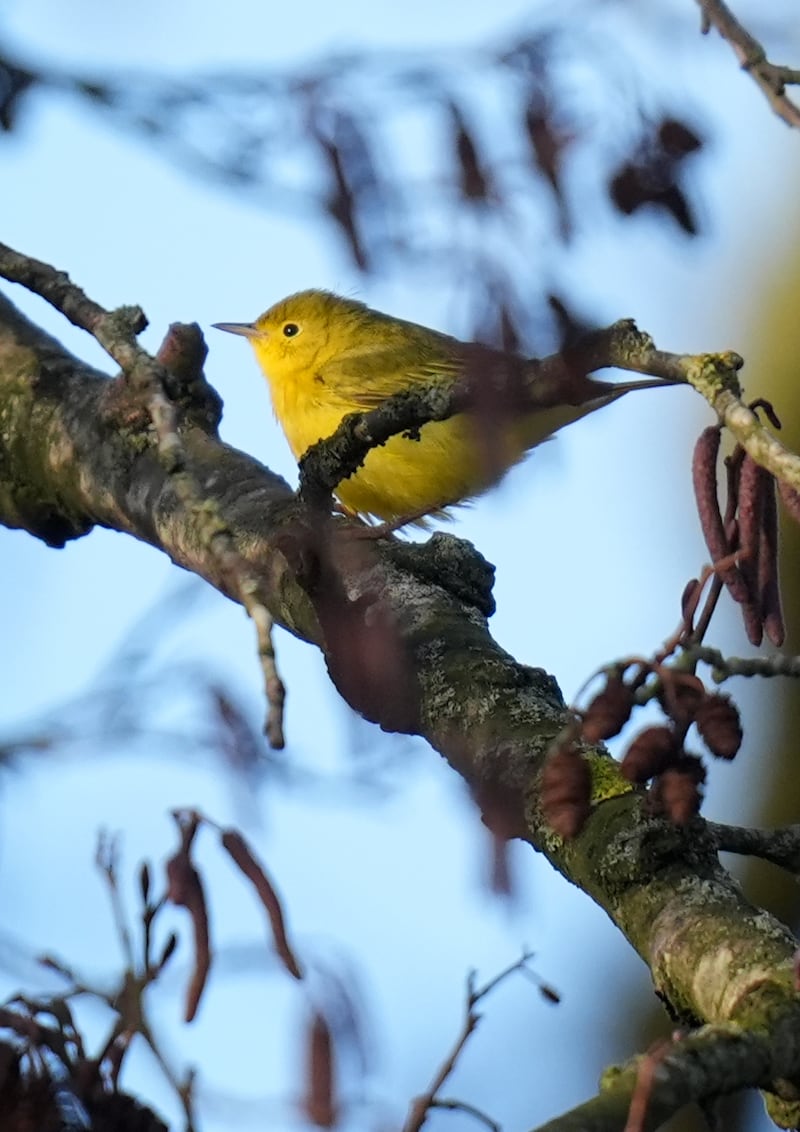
column 364, row 378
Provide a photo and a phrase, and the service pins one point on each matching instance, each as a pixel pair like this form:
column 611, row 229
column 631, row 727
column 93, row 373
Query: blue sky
column 393, row 888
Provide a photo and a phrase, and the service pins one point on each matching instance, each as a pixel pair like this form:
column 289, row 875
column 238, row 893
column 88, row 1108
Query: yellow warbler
column 325, row 356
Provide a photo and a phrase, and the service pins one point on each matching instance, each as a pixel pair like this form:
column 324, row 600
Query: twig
column 112, row 329
column 469, row 1109
column 126, row 998
column 475, row 996
column 116, row 332
column 779, row 846
column 723, row 667
column 771, row 78
column 106, row 856
column 421, row 1105
column 274, row 687
column 621, row 345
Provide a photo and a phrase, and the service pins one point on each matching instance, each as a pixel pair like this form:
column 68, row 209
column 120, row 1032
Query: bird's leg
column 388, row 528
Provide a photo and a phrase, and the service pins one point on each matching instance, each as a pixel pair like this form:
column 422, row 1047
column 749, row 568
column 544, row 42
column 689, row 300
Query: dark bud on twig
column 550, row 994
column 650, row 753
column 608, row 712
column 144, row 882
column 565, row 792
column 720, row 728
column 168, row 951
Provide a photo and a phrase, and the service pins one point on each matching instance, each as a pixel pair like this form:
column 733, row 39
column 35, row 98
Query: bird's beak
column 246, row 329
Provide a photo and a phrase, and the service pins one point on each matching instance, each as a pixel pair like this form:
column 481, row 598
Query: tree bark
column 404, row 633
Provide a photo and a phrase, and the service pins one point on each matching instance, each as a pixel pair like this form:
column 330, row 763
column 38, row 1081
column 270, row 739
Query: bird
column 325, row 355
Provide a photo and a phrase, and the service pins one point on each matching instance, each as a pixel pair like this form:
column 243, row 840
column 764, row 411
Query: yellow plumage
column 325, row 356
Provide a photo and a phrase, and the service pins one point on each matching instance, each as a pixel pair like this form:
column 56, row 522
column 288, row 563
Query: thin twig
column 475, row 996
column 421, row 1105
column 469, row 1109
column 116, row 332
column 770, row 77
column 723, row 667
column 779, row 846
column 106, row 856
column 274, row 688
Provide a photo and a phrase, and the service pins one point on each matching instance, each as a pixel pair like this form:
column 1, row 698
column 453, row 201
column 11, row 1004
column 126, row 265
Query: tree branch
column 779, row 846
column 116, row 332
column 411, row 651
column 712, row 1062
column 621, row 345
column 771, row 78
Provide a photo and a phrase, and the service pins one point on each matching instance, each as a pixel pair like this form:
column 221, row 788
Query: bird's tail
column 563, row 398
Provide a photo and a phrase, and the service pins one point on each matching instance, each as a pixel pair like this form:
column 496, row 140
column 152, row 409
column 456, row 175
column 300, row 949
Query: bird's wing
column 497, row 381
column 364, row 379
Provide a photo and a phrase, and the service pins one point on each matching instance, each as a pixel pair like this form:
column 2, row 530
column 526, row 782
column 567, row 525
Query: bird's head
column 301, row 332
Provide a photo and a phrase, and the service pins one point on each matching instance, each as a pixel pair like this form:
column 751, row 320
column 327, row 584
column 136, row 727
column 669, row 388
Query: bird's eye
column 290, row 329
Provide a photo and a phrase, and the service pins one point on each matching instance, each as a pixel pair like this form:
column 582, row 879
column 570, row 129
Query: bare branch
column 780, row 846
column 771, row 78
column 422, row 1104
column 116, row 332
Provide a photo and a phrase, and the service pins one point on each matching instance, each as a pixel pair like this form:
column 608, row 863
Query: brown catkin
column 769, row 587
column 704, row 478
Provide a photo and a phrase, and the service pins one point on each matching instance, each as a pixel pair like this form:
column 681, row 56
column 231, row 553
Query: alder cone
column 565, row 792
column 649, row 754
column 717, row 720
column 608, row 712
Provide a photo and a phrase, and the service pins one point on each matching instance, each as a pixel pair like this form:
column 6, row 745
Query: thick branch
column 405, row 646
column 713, row 1062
